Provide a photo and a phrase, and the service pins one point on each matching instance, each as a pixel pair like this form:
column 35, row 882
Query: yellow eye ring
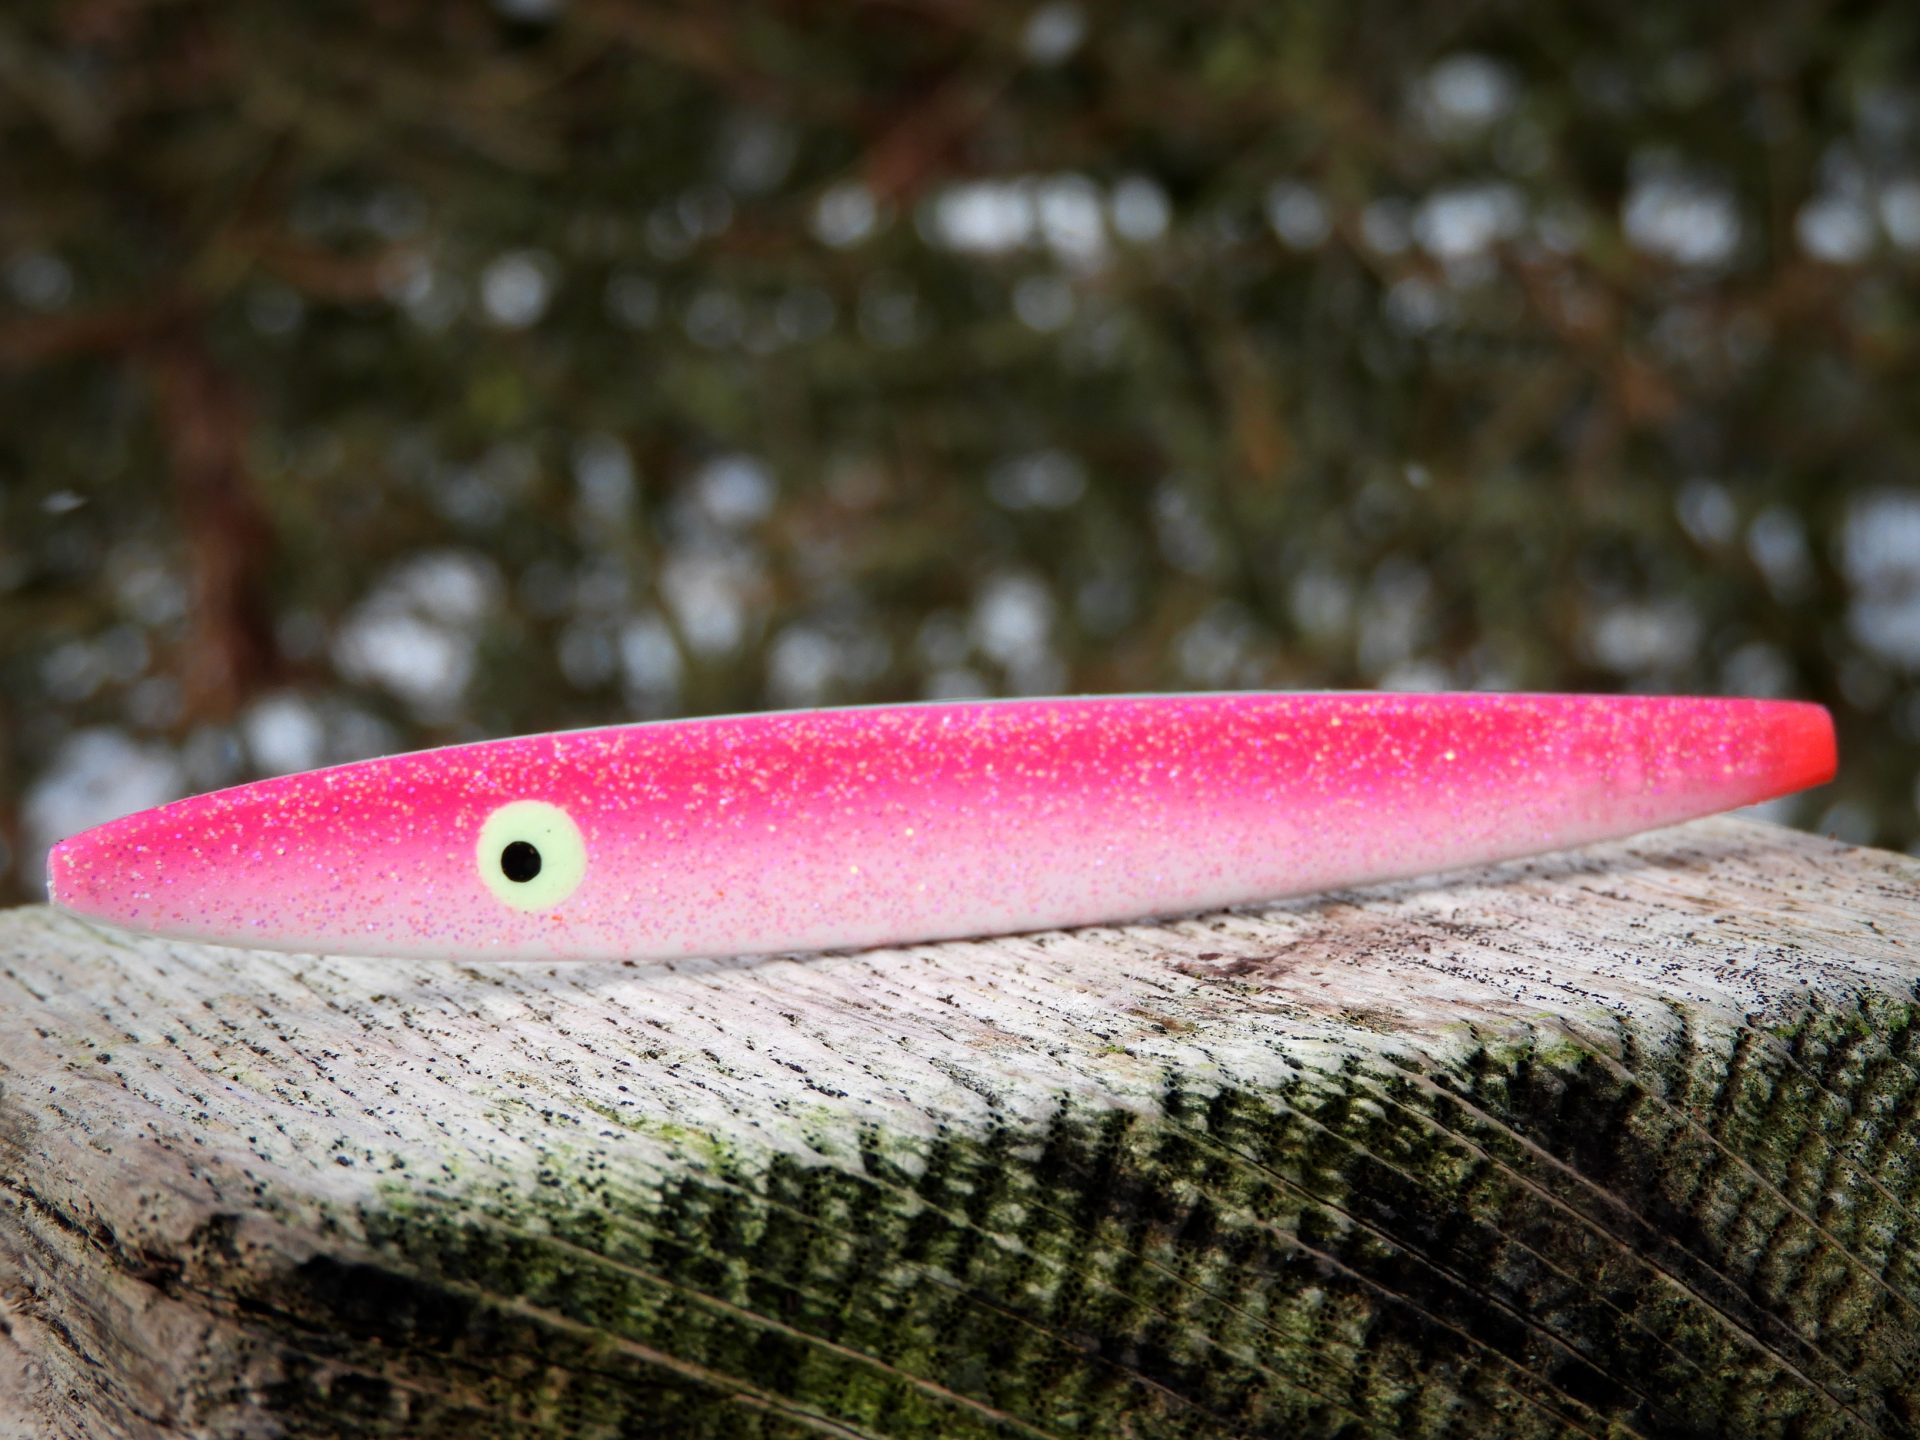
column 531, row 854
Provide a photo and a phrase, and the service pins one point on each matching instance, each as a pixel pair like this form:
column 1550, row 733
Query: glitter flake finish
column 834, row 828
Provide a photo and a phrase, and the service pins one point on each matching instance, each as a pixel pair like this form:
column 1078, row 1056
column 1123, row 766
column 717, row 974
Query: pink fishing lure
column 824, row 829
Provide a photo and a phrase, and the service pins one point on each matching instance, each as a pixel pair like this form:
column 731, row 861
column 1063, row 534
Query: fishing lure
column 824, row 829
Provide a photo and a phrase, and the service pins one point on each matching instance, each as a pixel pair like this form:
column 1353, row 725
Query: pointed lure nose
column 66, row 870
column 61, row 889
column 98, row 874
column 179, row 869
column 207, row 867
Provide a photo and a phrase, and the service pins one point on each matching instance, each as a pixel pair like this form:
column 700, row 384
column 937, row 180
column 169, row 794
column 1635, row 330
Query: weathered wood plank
column 1622, row 1142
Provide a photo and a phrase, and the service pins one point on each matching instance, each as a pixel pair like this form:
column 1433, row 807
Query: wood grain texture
column 1623, row 1142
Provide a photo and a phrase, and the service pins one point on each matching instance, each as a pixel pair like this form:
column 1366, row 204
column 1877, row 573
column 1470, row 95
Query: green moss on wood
column 1711, row 1236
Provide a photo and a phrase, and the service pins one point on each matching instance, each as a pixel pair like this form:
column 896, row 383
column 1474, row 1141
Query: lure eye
column 531, row 855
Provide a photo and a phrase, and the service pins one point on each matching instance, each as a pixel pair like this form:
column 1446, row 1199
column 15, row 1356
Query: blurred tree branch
column 204, row 421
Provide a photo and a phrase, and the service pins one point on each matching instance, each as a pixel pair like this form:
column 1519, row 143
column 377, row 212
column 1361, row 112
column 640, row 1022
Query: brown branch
column 320, row 274
column 702, row 44
column 43, row 338
column 925, row 139
column 204, row 425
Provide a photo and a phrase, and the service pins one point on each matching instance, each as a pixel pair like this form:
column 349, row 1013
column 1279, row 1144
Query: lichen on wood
column 1618, row 1142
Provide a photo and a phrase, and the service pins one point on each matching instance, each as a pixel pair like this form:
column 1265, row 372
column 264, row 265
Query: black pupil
column 520, row 862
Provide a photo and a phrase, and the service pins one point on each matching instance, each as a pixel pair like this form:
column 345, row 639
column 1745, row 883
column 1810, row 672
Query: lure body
column 838, row 828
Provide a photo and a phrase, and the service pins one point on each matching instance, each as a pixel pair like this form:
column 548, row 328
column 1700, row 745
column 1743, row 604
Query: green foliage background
column 378, row 376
